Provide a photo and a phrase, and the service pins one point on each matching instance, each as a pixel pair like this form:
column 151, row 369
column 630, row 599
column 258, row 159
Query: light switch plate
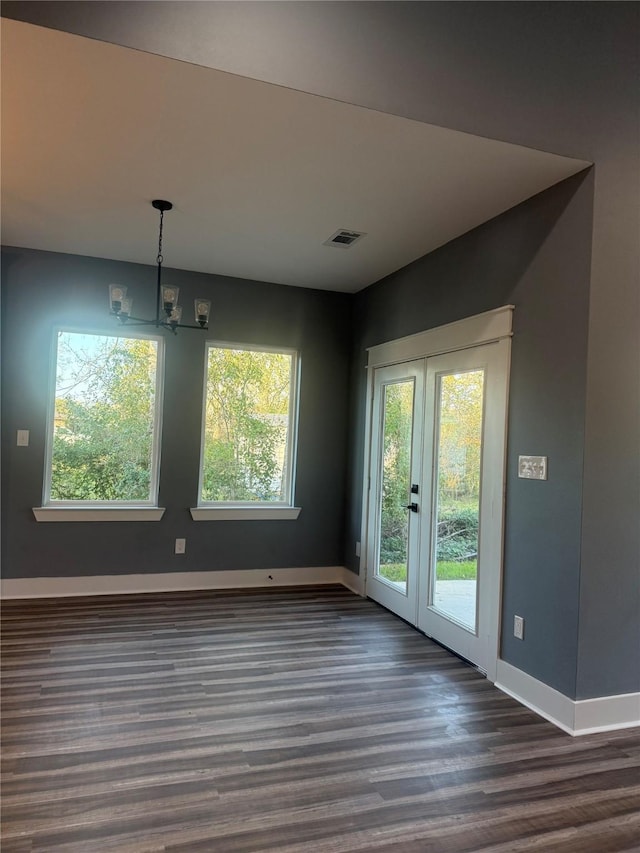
column 23, row 438
column 532, row 467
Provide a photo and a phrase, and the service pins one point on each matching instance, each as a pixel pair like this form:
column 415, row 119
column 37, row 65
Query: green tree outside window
column 104, row 418
column 247, row 426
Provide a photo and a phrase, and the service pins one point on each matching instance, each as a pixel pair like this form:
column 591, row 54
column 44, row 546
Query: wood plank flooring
column 283, row 720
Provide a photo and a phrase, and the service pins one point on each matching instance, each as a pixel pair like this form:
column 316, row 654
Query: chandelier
column 168, row 312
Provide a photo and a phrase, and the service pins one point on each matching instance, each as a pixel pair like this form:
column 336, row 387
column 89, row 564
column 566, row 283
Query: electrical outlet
column 357, row 549
column 518, row 627
column 23, row 438
column 181, row 546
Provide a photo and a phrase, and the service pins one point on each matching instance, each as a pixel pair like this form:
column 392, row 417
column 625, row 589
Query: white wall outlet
column 23, row 438
column 181, row 546
column 357, row 549
column 518, row 627
column 532, row 467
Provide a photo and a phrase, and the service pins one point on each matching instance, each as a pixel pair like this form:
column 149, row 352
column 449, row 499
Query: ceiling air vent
column 344, row 238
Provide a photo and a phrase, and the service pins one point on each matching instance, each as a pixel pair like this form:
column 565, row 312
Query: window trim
column 58, row 510
column 98, row 513
column 253, row 510
column 266, row 512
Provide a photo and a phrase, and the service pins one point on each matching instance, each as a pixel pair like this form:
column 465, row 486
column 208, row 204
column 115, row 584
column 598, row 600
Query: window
column 105, row 424
column 249, row 426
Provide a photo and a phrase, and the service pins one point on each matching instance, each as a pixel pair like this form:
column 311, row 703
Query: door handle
column 412, row 507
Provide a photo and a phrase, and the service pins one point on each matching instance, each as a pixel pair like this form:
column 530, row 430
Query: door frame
column 489, row 327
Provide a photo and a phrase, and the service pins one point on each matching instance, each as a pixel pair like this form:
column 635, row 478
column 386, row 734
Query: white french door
column 396, row 446
column 435, row 501
column 463, row 475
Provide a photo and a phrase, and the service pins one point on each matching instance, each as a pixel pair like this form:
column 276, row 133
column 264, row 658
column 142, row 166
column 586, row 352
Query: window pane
column 248, row 425
column 395, row 476
column 458, row 495
column 103, row 431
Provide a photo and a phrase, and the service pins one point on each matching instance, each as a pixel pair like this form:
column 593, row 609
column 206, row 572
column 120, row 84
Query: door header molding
column 472, row 331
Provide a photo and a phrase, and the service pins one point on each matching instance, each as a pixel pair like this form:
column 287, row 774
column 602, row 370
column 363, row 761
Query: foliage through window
column 105, row 421
column 458, row 487
column 249, row 426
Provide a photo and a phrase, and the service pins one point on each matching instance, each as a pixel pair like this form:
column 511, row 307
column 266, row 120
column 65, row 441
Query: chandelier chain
column 160, row 259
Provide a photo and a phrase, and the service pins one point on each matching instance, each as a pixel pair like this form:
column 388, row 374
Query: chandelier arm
column 187, row 326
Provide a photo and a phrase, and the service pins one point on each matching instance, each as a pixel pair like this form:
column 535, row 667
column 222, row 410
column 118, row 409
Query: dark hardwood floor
column 283, row 720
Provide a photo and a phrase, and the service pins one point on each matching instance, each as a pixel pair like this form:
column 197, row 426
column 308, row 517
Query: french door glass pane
column 457, row 482
column 395, row 482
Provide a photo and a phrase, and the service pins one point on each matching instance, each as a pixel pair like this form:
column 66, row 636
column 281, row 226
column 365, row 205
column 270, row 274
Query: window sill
column 95, row 513
column 237, row 513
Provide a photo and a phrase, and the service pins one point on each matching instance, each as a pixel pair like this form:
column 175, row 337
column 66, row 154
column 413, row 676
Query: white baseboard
column 576, row 717
column 353, row 582
column 174, row 582
column 606, row 713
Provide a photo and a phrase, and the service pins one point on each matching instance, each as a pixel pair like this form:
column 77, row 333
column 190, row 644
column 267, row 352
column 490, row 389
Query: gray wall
column 41, row 289
column 536, row 257
column 562, row 77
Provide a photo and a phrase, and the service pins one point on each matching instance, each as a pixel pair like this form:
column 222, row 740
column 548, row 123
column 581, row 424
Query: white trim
column 576, row 717
column 366, row 480
column 606, row 713
column 401, row 599
column 158, row 399
column 491, row 327
column 170, row 582
column 237, row 513
column 98, row 513
column 469, row 332
column 353, row 582
column 481, row 646
column 291, row 449
column 536, row 695
column 238, row 345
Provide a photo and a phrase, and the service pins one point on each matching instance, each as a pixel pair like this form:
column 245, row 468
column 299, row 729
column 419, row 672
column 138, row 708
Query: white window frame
column 253, row 510
column 114, row 510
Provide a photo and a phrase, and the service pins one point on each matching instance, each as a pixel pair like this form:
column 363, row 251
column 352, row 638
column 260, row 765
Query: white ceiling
column 260, row 175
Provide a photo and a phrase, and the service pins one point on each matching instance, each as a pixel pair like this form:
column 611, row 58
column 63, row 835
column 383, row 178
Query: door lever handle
column 413, row 507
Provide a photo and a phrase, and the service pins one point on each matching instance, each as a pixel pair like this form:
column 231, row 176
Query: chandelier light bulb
column 175, row 316
column 117, row 295
column 203, row 307
column 169, row 298
column 125, row 310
